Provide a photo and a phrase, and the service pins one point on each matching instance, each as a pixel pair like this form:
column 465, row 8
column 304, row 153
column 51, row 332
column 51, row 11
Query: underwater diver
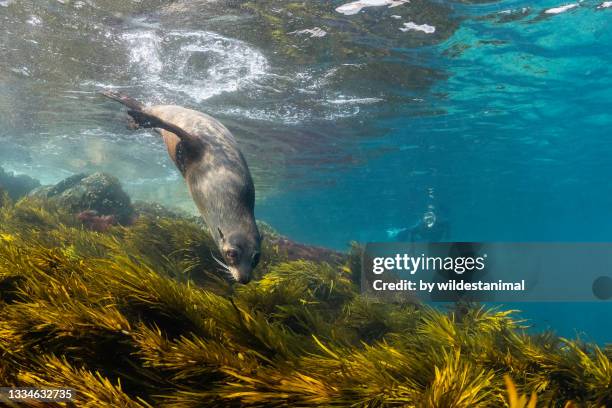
column 427, row 229
column 219, row 180
column 431, row 230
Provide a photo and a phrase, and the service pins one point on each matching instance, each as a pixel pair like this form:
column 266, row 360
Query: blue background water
column 499, row 121
column 521, row 152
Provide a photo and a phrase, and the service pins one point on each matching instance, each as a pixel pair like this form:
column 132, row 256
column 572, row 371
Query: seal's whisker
column 224, row 265
column 225, row 271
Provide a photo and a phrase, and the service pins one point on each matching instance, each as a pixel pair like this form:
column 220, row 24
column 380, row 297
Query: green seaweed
column 139, row 316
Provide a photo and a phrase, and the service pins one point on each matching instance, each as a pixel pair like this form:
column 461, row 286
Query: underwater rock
column 285, row 248
column 295, row 251
column 157, row 211
column 91, row 196
column 95, row 222
column 17, row 186
column 289, row 250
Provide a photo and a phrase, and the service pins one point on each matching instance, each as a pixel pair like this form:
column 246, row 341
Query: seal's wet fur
column 207, row 155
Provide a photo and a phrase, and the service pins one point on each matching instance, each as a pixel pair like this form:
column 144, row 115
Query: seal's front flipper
column 146, row 120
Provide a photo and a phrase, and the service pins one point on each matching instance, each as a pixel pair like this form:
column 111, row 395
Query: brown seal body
column 219, row 180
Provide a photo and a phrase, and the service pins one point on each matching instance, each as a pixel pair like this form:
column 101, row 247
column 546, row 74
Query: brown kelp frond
column 137, row 316
column 177, row 243
column 322, row 282
column 380, row 372
column 90, row 389
column 589, row 370
column 187, row 307
column 275, row 388
column 439, row 328
column 5, row 199
column 191, row 358
column 458, row 383
column 36, row 214
column 155, row 296
column 65, row 320
column 518, row 401
column 480, row 319
column 302, row 295
column 372, row 319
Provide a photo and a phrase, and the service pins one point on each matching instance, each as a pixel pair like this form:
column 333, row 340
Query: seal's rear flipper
column 146, row 120
column 139, row 118
column 124, row 99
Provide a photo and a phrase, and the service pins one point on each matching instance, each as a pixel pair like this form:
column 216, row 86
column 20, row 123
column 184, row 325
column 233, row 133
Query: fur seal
column 220, row 183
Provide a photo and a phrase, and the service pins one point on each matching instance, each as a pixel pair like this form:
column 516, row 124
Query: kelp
column 140, row 316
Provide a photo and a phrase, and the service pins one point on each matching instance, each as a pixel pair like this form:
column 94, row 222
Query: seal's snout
column 244, row 279
column 241, row 275
column 241, row 253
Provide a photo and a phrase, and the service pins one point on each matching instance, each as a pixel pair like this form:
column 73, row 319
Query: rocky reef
column 16, row 186
column 139, row 316
column 90, row 196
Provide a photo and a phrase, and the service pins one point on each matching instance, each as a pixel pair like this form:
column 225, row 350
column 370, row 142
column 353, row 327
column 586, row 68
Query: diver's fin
column 124, row 99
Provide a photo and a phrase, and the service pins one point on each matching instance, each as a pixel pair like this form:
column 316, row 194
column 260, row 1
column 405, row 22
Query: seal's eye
column 255, row 259
column 231, row 255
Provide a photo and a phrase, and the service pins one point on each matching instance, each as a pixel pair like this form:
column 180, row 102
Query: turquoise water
column 498, row 122
column 519, row 151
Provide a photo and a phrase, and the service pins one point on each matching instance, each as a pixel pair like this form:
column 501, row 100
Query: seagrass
column 139, row 316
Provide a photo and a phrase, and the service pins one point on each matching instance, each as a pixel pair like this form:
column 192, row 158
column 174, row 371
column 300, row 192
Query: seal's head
column 241, row 253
